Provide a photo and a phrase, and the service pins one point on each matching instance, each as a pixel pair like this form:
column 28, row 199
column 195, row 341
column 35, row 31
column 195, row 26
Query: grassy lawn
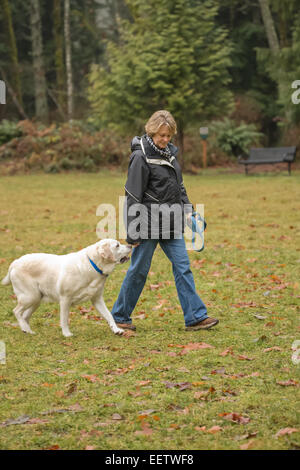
column 231, row 387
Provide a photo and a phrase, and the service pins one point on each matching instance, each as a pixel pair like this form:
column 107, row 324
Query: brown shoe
column 126, row 326
column 203, row 325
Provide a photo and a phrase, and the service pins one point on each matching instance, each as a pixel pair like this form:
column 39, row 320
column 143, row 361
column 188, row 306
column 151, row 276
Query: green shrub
column 8, row 131
column 233, row 139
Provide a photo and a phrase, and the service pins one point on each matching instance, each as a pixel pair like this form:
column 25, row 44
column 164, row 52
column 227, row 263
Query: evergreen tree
column 172, row 56
column 12, row 51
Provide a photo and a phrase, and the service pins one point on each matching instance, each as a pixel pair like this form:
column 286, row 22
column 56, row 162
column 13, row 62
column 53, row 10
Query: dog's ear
column 106, row 253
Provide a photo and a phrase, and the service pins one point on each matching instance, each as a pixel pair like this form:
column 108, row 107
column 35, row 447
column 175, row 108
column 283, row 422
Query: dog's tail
column 6, row 281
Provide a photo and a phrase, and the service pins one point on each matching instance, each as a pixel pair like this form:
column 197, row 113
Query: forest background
column 82, row 77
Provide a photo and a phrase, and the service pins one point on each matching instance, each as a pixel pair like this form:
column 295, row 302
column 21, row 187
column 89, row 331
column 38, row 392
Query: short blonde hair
column 158, row 119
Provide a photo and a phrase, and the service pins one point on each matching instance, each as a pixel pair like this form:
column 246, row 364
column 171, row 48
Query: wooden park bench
column 259, row 156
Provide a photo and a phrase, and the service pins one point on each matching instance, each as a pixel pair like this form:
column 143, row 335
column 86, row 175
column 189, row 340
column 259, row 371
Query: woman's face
column 162, row 137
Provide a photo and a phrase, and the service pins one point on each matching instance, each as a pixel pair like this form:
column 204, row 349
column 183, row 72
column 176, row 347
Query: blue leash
column 197, row 225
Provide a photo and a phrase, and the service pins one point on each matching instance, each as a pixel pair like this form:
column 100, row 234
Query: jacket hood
column 136, row 145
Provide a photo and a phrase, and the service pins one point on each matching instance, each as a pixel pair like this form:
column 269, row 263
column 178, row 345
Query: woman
column 155, row 191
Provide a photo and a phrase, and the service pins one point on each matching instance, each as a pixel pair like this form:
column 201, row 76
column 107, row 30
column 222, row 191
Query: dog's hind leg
column 26, row 317
column 22, row 314
column 105, row 313
column 64, row 316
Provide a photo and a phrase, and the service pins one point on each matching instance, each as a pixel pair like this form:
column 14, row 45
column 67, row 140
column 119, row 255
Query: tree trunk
column 269, row 26
column 41, row 104
column 12, row 48
column 13, row 95
column 68, row 59
column 59, row 52
column 180, row 144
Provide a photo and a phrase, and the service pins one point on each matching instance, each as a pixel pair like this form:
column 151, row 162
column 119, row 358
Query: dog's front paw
column 67, row 334
column 118, row 331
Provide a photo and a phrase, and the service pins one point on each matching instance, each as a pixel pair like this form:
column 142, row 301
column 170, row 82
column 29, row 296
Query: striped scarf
column 163, row 152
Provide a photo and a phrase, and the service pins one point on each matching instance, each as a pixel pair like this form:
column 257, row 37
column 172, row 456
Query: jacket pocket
column 153, row 198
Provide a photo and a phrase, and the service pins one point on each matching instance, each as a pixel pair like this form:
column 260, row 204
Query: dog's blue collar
column 96, row 267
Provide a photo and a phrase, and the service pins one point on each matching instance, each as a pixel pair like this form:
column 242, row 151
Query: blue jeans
column 193, row 308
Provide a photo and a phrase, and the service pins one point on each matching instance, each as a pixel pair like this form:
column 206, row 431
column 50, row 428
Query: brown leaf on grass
column 91, row 378
column 241, row 357
column 200, row 428
column 94, row 432
column 245, row 436
column 154, row 286
column 288, row 382
column 235, row 418
column 72, row 387
column 145, row 413
column 227, row 351
column 54, row 447
column 190, row 347
column 214, row 429
column 37, row 421
column 181, row 385
column 128, row 334
column 273, row 348
column 284, row 431
column 117, row 417
column 201, row 395
column 218, row 371
column 146, row 429
column 72, row 408
column 173, row 427
column 248, row 445
column 144, row 383
column 20, row 420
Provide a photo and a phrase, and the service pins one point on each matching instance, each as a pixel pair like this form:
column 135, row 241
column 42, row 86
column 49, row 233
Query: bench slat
column 270, row 155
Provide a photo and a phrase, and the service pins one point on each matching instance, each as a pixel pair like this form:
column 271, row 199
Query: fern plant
column 9, row 130
column 233, row 139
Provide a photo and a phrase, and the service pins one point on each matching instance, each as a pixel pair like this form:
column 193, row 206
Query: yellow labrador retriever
column 66, row 279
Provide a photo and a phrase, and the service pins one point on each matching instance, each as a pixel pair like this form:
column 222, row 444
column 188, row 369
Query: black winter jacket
column 154, row 184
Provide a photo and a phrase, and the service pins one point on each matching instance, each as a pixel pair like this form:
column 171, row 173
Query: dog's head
column 113, row 252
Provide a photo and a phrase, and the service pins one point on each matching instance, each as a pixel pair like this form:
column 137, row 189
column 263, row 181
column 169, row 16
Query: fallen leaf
column 20, row 420
column 227, row 351
column 37, row 421
column 284, row 431
column 248, row 445
column 245, row 436
column 181, row 385
column 117, row 417
column 214, row 429
column 218, row 371
column 146, row 429
column 235, row 418
column 91, row 378
column 198, row 428
column 288, row 382
column 244, row 358
column 146, row 412
column 274, row 348
column 144, row 383
column 190, row 347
